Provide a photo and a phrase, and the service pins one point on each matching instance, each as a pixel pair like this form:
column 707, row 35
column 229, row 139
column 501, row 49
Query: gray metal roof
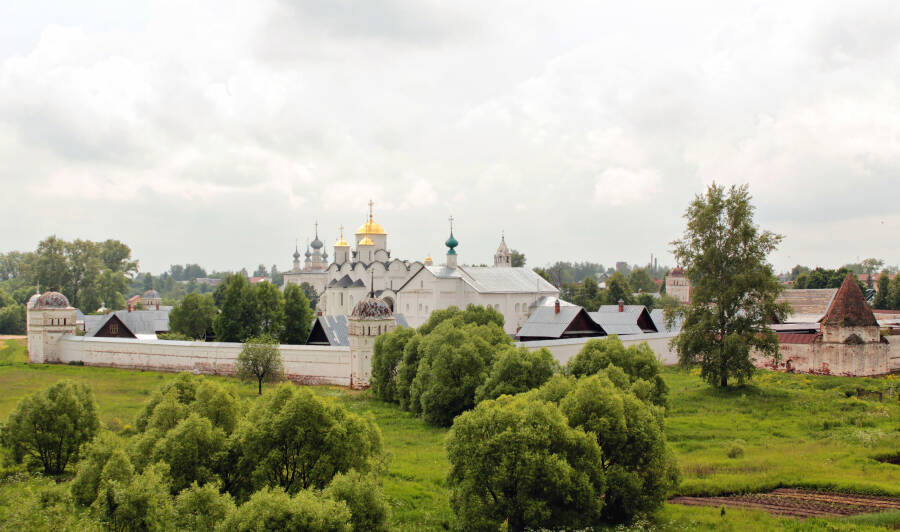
column 137, row 321
column 337, row 330
column 544, row 322
column 658, row 316
column 486, row 279
column 618, row 322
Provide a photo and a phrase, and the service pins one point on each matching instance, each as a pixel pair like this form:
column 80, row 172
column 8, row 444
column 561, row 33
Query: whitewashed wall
column 305, row 364
column 563, row 350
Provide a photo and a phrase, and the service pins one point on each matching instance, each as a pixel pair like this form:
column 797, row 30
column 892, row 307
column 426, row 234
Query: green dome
column 451, row 243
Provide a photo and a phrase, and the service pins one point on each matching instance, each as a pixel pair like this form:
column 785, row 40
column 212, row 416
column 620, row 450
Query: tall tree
column 893, row 300
column 517, row 258
column 618, row 289
column 734, row 288
column 269, row 309
column 194, row 316
column 238, row 320
column 884, row 288
column 50, row 268
column 84, row 263
column 311, row 295
column 298, row 316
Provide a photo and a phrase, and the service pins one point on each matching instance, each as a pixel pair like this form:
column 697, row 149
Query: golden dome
column 366, row 242
column 428, row 261
column 341, row 243
column 371, row 228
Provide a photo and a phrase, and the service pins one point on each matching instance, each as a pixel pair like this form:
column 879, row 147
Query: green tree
column 618, row 289
column 84, row 265
column 143, row 503
column 588, row 295
column 87, row 478
column 190, row 449
column 893, row 299
column 639, row 279
column 194, row 316
column 202, row 508
column 639, row 467
column 220, row 406
column 13, row 319
column 406, row 373
column 884, row 289
column 311, row 295
column 273, row 509
column 734, row 289
column 49, row 427
column 455, row 360
column 369, row 511
column 638, row 362
column 296, row 440
column 50, row 268
column 260, row 360
column 517, row 370
column 515, row 460
column 517, row 258
column 386, row 357
column 238, row 320
column 298, row 316
column 269, row 309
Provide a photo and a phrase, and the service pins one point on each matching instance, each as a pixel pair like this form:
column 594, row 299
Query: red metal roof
column 797, row 338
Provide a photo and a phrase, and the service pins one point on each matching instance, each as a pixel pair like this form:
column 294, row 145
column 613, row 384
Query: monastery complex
column 412, row 288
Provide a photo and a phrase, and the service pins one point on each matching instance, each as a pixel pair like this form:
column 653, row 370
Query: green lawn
column 795, row 430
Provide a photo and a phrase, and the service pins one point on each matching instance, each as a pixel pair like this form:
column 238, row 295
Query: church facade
column 413, row 288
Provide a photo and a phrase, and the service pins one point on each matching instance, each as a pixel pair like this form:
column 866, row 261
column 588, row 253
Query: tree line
column 90, row 274
column 195, row 459
column 533, row 444
column 238, row 311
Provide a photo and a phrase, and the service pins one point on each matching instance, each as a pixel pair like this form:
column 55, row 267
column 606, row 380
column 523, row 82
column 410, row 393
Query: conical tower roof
column 849, row 308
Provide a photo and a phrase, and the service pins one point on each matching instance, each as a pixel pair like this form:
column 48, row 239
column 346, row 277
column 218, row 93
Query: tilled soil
column 799, row 503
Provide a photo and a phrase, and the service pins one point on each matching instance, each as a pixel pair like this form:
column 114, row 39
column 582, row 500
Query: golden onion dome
column 371, row 228
column 366, row 242
column 428, row 261
column 341, row 243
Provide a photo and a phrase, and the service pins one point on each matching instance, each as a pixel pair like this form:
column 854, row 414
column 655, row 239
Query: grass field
column 782, row 431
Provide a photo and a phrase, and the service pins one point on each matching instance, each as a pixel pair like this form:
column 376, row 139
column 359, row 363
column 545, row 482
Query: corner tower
column 370, row 318
column 49, row 317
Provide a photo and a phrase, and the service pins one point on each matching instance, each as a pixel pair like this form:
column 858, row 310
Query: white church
column 414, row 289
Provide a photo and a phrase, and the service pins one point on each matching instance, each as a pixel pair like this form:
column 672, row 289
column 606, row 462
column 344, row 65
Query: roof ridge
column 849, row 307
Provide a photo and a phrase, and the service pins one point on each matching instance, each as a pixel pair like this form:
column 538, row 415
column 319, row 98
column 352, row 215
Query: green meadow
column 779, row 431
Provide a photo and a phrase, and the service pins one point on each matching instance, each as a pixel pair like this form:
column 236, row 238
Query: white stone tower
column 49, row 318
column 341, row 249
column 370, row 318
column 502, row 258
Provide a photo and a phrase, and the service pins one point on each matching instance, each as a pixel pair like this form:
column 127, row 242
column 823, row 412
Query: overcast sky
column 219, row 132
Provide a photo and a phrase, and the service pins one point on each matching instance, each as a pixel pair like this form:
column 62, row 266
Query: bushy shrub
column 142, row 503
column 295, row 440
column 639, row 466
column 364, row 497
column 202, row 508
column 637, row 361
column 386, row 357
column 517, row 370
column 516, row 460
column 49, row 428
column 274, row 509
column 455, row 360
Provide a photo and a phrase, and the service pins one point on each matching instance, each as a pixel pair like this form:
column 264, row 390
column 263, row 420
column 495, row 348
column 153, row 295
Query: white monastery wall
column 563, row 350
column 868, row 359
column 304, row 364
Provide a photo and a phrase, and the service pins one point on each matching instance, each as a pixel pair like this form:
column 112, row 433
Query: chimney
column 621, row 306
column 556, row 307
column 157, row 306
column 130, row 307
column 319, row 313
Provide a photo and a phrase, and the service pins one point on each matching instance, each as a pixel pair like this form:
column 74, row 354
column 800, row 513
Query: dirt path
column 799, row 503
column 11, row 337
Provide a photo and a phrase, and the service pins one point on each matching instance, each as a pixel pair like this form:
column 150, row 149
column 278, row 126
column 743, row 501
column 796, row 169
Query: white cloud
column 245, row 122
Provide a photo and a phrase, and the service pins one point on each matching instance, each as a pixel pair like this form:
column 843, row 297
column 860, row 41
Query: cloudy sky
column 219, row 132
